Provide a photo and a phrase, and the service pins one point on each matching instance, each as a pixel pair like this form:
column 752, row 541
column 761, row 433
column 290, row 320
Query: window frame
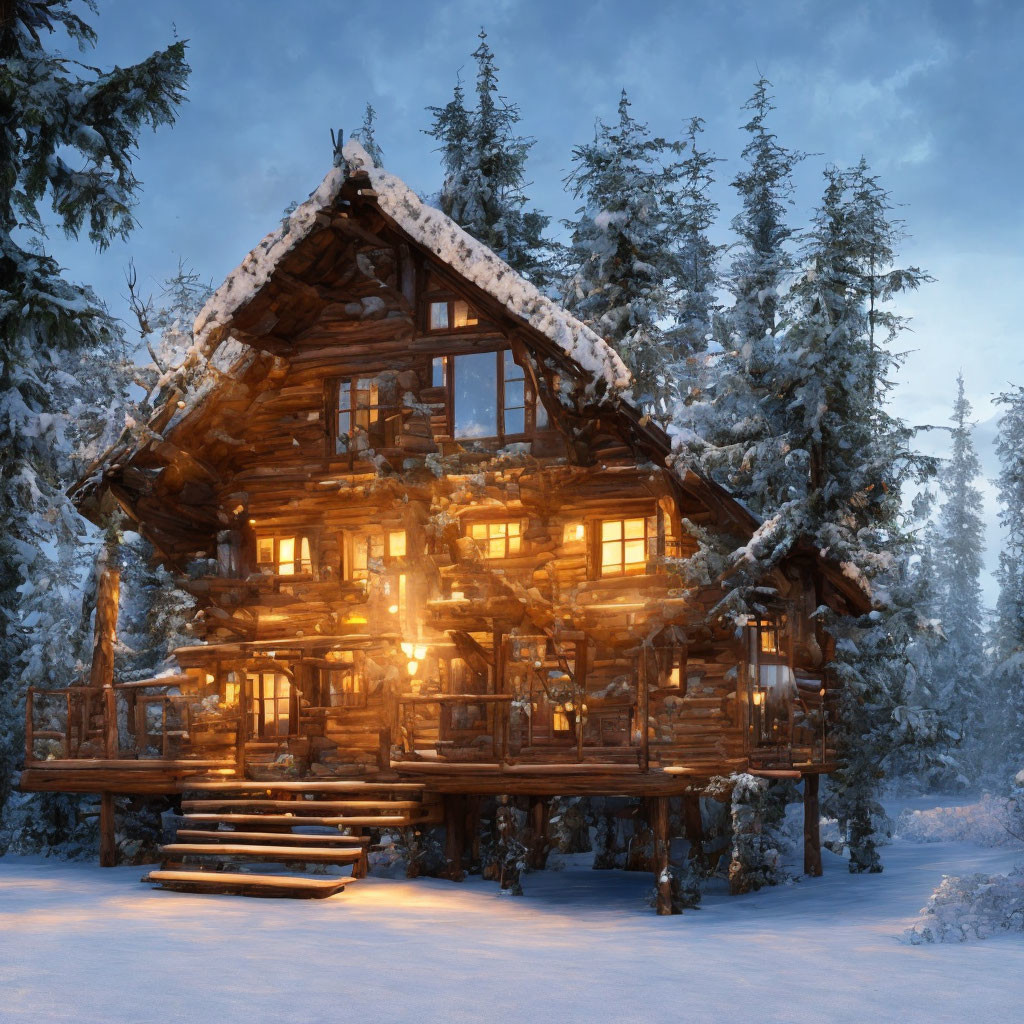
column 531, row 399
column 301, row 566
column 387, row 415
column 450, row 300
column 355, row 670
column 258, row 702
column 650, row 539
column 349, row 541
column 483, row 543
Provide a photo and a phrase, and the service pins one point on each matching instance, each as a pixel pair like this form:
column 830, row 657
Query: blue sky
column 923, row 90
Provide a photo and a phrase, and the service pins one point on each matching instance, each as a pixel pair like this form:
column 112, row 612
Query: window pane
column 396, row 543
column 478, row 531
column 513, row 544
column 462, row 315
column 512, row 370
column 305, row 559
column 496, row 548
column 515, row 421
column 634, row 527
column 265, row 550
column 439, row 377
column 611, row 530
column 438, row 316
column 635, row 552
column 286, row 556
column 611, row 556
column 541, row 415
column 515, row 395
column 476, row 412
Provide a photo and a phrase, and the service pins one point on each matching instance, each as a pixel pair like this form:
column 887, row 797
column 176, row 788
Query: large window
column 284, row 556
column 627, row 544
column 345, row 683
column 497, row 540
column 489, row 395
column 270, row 704
column 368, row 414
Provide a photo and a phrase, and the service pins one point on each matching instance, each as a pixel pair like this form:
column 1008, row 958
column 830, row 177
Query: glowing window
column 560, row 718
column 371, row 551
column 451, row 314
column 573, row 533
column 497, row 540
column 624, row 546
column 270, row 703
column 284, row 556
column 462, row 315
column 345, row 683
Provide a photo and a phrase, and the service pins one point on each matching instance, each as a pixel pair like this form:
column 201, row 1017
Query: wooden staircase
column 232, row 825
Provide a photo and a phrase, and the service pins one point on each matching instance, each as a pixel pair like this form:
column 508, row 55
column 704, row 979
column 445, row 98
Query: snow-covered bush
column 972, row 907
column 992, row 821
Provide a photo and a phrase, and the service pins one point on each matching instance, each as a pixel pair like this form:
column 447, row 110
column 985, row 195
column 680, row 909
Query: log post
column 101, row 674
column 812, row 830
column 540, row 812
column 29, row 745
column 454, row 836
column 108, row 842
column 694, row 825
column 658, row 811
column 384, row 749
column 643, row 712
column 242, row 731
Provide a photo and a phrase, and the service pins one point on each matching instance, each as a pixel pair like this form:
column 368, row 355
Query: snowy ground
column 82, row 944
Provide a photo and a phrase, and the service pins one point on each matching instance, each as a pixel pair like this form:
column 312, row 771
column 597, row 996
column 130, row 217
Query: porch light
column 392, row 609
column 420, row 652
column 758, row 698
column 412, row 667
column 407, row 650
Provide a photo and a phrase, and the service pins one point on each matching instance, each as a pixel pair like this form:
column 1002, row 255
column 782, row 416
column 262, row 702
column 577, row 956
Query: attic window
column 284, row 556
column 451, row 314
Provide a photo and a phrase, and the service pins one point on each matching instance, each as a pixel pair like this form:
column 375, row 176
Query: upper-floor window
column 450, row 314
column 489, row 395
column 284, row 555
column 627, row 545
column 369, row 551
column 344, row 683
column 368, row 413
column 497, row 540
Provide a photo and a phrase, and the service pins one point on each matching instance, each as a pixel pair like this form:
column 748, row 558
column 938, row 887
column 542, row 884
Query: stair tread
column 268, row 853
column 251, row 884
column 355, row 821
column 274, row 837
column 303, row 805
column 306, row 786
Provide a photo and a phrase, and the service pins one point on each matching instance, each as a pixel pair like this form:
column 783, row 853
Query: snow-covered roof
column 435, row 232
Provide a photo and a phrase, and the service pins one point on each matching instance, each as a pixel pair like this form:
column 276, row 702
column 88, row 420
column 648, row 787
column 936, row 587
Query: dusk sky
column 923, row 90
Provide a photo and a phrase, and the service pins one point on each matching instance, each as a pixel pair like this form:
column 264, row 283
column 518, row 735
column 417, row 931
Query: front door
column 272, row 705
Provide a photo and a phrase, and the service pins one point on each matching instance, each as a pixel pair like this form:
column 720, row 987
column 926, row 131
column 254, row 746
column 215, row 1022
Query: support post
column 242, row 731
column 101, row 674
column 29, row 745
column 643, row 712
column 540, row 812
column 108, row 843
column 658, row 811
column 454, row 836
column 694, row 825
column 384, row 749
column 812, row 830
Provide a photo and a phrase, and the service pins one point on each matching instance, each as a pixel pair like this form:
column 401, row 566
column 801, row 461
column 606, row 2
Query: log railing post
column 29, row 742
column 658, row 810
column 101, row 674
column 812, row 827
column 242, row 730
column 643, row 711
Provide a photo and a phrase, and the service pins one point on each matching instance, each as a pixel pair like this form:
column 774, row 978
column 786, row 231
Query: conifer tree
column 961, row 663
column 693, row 214
column 54, row 107
column 621, row 260
column 1008, row 628
column 484, row 161
column 366, row 136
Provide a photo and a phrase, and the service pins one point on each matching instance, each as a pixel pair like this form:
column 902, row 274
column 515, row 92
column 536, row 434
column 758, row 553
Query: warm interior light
column 392, row 609
column 420, row 652
column 407, row 649
column 210, row 678
column 252, row 522
column 821, row 692
column 758, row 698
column 412, row 666
column 458, row 595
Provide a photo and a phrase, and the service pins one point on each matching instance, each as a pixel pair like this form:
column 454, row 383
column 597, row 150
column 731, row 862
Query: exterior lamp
column 412, row 667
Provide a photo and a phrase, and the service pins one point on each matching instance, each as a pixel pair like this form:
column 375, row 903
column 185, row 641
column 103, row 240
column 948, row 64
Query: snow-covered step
column 278, row 854
column 271, row 838
column 243, row 884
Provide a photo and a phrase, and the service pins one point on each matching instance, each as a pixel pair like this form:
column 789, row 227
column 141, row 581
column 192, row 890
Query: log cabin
column 438, row 554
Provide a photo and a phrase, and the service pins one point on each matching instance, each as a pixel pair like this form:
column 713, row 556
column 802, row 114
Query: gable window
column 450, row 314
column 368, row 414
column 626, row 545
column 497, row 540
column 489, row 395
column 283, row 556
column 369, row 551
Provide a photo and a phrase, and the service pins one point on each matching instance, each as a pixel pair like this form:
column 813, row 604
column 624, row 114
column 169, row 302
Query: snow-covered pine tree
column 959, row 554
column 621, row 260
column 1008, row 628
column 727, row 419
column 693, row 214
column 366, row 136
column 484, row 162
column 54, row 106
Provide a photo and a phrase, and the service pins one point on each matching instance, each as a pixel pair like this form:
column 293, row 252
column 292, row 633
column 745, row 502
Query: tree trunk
column 108, row 841
column 812, row 832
